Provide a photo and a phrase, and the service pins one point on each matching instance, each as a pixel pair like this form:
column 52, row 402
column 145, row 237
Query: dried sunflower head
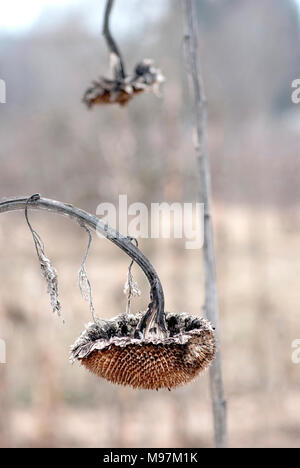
column 121, row 90
column 111, row 350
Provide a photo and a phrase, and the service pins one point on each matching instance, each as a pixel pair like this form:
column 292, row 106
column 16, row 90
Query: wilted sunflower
column 114, row 350
column 122, row 89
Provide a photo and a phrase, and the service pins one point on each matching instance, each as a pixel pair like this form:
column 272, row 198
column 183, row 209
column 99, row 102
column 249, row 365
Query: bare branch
column 155, row 312
column 211, row 298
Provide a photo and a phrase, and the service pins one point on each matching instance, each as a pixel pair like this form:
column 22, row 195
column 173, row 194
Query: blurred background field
column 50, row 143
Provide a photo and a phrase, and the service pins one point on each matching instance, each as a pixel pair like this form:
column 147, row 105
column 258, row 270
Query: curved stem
column 156, row 307
column 120, row 68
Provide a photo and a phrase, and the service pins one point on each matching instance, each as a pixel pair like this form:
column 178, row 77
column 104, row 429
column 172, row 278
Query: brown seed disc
column 106, row 98
column 114, row 351
column 106, row 91
column 153, row 366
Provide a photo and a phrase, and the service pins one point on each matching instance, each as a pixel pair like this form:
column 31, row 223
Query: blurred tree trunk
column 211, row 299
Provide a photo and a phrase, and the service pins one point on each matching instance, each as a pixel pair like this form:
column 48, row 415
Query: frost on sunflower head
column 113, row 350
column 122, row 89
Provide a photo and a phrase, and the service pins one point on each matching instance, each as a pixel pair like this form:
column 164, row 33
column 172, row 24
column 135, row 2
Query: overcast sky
column 17, row 16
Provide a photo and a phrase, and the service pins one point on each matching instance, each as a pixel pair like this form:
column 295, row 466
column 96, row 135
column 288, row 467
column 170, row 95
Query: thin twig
column 211, row 298
column 131, row 287
column 83, row 279
column 155, row 309
column 116, row 58
column 48, row 271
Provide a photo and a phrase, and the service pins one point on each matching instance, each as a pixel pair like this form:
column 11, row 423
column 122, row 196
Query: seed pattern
column 150, row 364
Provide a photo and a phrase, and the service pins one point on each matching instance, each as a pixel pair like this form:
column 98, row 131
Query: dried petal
column 109, row 350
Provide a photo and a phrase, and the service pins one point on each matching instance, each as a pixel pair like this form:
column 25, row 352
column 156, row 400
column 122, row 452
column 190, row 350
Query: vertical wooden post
column 202, row 154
